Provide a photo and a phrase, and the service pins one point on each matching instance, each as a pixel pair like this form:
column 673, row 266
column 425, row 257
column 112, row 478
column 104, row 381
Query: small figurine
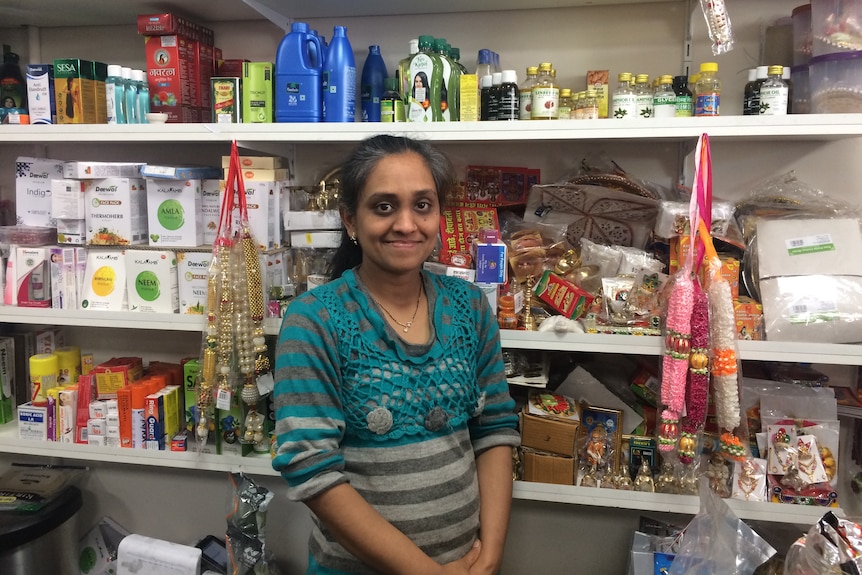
column 718, row 474
column 623, row 482
column 644, row 481
column 590, row 479
column 597, row 446
column 688, row 481
column 791, row 478
column 666, row 481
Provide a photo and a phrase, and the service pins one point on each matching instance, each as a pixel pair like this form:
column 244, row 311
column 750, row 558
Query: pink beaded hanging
column 697, row 386
column 677, row 346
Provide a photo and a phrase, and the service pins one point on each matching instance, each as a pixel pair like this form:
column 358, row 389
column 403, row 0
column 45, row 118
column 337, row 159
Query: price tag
column 223, row 399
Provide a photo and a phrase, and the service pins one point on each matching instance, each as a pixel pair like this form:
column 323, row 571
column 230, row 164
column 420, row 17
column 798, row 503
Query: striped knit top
column 401, row 423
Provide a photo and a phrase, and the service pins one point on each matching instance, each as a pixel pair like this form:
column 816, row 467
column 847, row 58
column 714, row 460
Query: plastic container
column 508, row 105
column 130, row 98
column 707, row 100
column 801, row 103
column 801, row 17
column 391, row 104
column 13, row 87
column 339, row 79
column 835, row 83
column 298, row 73
column 114, row 94
column 835, row 26
column 140, row 78
column 373, row 84
column 44, row 372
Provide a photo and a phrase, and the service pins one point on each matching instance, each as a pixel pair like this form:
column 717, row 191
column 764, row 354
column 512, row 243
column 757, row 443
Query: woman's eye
column 384, row 208
column 424, row 205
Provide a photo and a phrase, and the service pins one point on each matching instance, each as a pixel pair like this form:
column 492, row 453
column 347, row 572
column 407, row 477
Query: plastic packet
column 246, row 522
column 607, row 258
column 717, row 541
column 832, row 545
column 29, row 487
column 673, row 219
column 718, row 23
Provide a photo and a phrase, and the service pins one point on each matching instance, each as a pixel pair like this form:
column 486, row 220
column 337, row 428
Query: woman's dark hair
column 423, row 79
column 355, row 173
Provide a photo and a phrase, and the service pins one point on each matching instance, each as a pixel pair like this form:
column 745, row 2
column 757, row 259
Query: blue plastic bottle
column 373, row 84
column 298, row 72
column 339, row 79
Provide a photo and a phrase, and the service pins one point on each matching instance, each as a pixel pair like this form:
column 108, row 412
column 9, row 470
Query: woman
column 394, row 421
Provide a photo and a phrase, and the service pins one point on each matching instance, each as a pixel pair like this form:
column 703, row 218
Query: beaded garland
column 697, row 386
column 677, row 347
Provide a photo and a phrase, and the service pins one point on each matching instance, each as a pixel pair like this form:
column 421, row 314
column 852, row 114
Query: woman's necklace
column 407, row 325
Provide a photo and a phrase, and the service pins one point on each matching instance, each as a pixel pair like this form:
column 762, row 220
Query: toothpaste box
column 192, row 277
column 41, row 99
column 33, row 190
column 151, row 281
column 105, row 281
column 173, row 212
column 210, row 204
column 116, row 211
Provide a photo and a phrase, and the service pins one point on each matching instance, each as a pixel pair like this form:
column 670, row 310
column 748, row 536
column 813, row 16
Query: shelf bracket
column 270, row 14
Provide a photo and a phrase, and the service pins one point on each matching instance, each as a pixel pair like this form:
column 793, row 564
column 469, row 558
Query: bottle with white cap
column 130, row 97
column 508, row 104
column 140, row 78
column 488, row 104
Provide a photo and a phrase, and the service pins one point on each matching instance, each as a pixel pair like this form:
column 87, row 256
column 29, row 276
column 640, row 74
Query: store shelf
column 261, row 464
column 50, row 13
column 665, row 503
column 258, row 464
column 725, row 128
column 113, row 319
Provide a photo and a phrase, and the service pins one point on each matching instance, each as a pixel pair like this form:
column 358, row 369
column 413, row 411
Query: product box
column 491, row 260
column 749, row 318
column 257, row 94
column 154, row 412
column 41, row 99
column 68, row 199
column 205, row 69
column 466, row 274
column 230, row 429
column 173, row 212
column 562, row 295
column 172, row 78
column 105, row 281
column 180, row 172
column 115, row 374
column 193, row 279
column 226, row 96
column 100, row 74
column 315, row 239
column 32, row 277
column 168, row 24
column 33, row 190
column 85, row 170
column 64, row 288
column 263, row 200
column 599, row 79
column 33, row 422
column 86, row 396
column 49, row 339
column 116, row 211
column 75, row 91
column 124, row 409
column 151, row 281
column 549, row 423
column 210, row 207
column 459, row 230
column 469, row 98
column 493, row 186
column 71, row 232
column 257, row 162
column 262, row 174
column 67, row 407
column 548, row 467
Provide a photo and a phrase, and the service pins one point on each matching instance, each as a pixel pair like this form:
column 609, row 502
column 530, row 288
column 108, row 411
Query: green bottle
column 391, row 104
column 426, row 80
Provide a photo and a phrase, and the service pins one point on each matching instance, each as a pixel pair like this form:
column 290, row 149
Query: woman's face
column 397, row 216
column 417, row 81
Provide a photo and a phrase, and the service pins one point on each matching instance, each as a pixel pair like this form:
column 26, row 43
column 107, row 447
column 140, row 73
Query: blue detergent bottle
column 339, row 79
column 373, row 84
column 298, row 73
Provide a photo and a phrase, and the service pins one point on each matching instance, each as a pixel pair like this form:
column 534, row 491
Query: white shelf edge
column 666, row 503
column 820, row 127
column 257, row 464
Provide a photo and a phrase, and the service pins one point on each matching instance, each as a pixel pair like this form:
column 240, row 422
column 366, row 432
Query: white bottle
column 664, row 101
column 773, row 93
column 644, row 97
column 115, row 94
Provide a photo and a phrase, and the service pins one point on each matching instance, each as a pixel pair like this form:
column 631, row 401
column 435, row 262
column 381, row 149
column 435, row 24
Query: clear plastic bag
column 246, row 520
column 832, row 545
column 717, row 541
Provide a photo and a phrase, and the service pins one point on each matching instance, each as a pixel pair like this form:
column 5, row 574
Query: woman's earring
column 353, row 239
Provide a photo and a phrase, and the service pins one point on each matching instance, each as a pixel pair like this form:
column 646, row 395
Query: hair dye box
column 173, row 212
column 75, row 91
column 116, row 211
column 151, row 281
column 33, row 178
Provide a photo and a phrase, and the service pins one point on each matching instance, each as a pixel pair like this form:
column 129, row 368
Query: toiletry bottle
column 13, row 88
column 508, row 107
column 339, row 79
column 130, row 99
column 373, row 84
column 391, row 104
column 143, row 95
column 298, row 70
column 525, row 95
column 115, row 91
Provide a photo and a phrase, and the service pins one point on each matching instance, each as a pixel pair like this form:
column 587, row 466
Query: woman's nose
column 405, row 222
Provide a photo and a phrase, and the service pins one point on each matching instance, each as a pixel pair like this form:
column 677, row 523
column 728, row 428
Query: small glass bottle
column 525, row 95
column 545, row 99
column 507, row 104
column 578, row 106
column 748, row 92
column 567, row 111
column 591, row 105
column 624, row 100
column 664, row 101
column 708, row 91
column 773, row 93
column 644, row 98
column 488, row 103
column 506, row 317
column 684, row 102
column 391, row 104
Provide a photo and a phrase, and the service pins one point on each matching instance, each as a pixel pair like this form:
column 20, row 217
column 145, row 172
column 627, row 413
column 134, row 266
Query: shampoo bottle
column 115, row 93
column 373, row 84
column 403, row 72
column 143, row 101
column 339, row 79
column 130, row 99
column 13, row 88
column 426, row 75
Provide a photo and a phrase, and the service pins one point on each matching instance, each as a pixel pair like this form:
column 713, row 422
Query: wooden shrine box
column 548, row 467
column 550, row 432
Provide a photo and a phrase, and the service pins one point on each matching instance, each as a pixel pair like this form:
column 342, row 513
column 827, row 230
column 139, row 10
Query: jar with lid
column 774, row 93
column 664, row 101
column 591, row 105
column 624, row 99
column 578, row 104
column 684, row 103
column 708, row 91
column 506, row 317
column 566, row 105
column 525, row 94
column 545, row 97
column 644, row 96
